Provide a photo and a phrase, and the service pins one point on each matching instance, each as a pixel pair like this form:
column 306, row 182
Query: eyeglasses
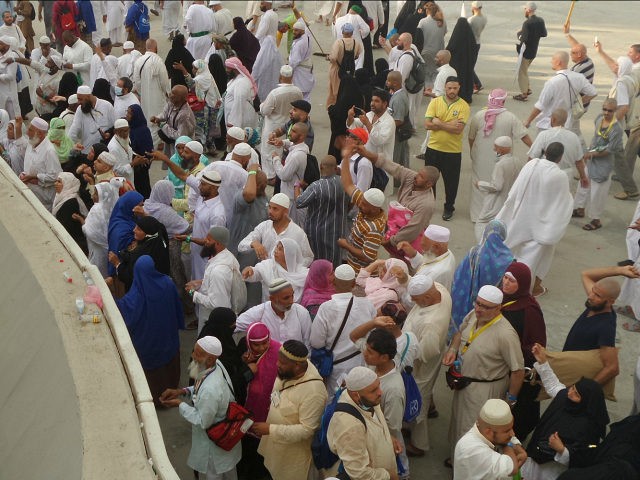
column 482, row 306
column 608, row 110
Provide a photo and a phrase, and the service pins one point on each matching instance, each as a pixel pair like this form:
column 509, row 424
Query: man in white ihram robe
column 115, row 12
column 200, row 22
column 537, row 212
column 152, row 85
column 171, row 15
column 300, row 59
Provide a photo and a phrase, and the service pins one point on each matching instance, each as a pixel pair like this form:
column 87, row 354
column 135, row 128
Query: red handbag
column 228, row 432
column 195, row 104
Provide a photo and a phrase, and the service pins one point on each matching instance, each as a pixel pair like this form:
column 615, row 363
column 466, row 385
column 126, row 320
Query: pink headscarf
column 495, row 106
column 236, row 64
column 318, row 287
column 381, row 290
column 260, row 386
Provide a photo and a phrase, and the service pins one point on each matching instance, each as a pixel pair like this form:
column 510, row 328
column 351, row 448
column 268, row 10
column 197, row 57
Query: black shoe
column 447, row 215
column 154, row 11
column 625, row 263
column 421, row 156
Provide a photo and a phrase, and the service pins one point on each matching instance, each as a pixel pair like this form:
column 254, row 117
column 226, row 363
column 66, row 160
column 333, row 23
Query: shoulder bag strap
column 406, row 347
column 344, row 322
column 351, row 410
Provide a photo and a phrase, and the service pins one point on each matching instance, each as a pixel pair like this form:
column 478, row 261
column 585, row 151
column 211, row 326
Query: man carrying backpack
column 138, row 25
column 342, row 60
column 411, row 66
column 358, row 434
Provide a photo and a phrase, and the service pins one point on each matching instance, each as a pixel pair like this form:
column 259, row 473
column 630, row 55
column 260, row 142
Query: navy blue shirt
column 591, row 333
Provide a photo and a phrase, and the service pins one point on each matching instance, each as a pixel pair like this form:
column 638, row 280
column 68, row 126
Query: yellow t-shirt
column 439, row 139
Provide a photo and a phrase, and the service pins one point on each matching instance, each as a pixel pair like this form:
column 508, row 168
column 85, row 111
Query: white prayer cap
column 84, row 90
column 242, row 149
column 281, row 199
column 195, row 147
column 375, row 197
column 496, row 412
column 40, row 124
column 107, row 158
column 237, row 133
column 44, row 40
column 121, row 123
column 6, row 39
column 220, row 234
column 360, row 378
column 300, row 25
column 491, row 294
column 419, row 284
column 117, row 182
column 211, row 345
column 286, row 71
column 278, row 284
column 211, row 177
column 531, row 6
column 503, row 141
column 57, row 60
column 214, row 2
column 437, row 233
column 345, row 272
column 128, row 45
column 73, row 99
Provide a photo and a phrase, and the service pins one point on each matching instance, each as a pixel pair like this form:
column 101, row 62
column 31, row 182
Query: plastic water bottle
column 517, row 476
column 87, row 278
column 67, row 277
column 457, row 366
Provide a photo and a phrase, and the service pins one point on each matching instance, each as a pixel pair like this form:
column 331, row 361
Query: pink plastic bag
column 398, row 217
column 92, row 295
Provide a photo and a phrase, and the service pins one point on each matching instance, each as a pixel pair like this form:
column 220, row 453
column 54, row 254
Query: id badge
column 275, row 398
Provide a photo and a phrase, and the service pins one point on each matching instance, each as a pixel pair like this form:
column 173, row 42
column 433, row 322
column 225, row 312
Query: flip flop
column 520, row 97
column 578, row 213
column 633, row 326
column 626, row 311
column 593, row 225
column 544, row 291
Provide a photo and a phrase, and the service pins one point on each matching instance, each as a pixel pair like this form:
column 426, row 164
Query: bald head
column 178, row 95
column 405, row 39
column 443, row 57
column 328, row 166
column 152, row 45
column 394, row 80
column 560, row 60
column 578, row 53
column 609, row 288
column 558, row 117
column 610, row 103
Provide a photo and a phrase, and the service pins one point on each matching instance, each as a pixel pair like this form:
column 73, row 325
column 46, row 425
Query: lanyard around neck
column 475, row 334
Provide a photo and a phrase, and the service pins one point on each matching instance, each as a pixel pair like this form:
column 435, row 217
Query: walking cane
column 321, row 53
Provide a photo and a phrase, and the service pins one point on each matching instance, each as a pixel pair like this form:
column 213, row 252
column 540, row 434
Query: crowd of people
column 323, row 283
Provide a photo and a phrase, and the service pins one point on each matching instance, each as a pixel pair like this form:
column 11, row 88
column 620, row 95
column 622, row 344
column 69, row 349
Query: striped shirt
column 366, row 234
column 586, row 68
column 327, row 205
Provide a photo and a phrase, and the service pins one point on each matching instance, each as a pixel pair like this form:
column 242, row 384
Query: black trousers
column 449, row 166
column 384, row 29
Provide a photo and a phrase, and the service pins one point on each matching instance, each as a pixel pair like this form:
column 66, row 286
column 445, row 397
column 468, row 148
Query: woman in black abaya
column 348, row 95
column 461, row 45
column 178, row 54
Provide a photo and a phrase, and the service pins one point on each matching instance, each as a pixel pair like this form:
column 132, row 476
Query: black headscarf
column 407, row 9
column 221, row 324
column 461, row 45
column 68, row 86
column 102, row 89
column 348, row 96
column 578, row 424
column 178, row 53
column 244, row 43
column 217, row 70
column 379, row 80
column 155, row 244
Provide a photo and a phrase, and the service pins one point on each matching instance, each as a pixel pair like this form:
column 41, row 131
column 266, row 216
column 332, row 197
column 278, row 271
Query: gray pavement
column 615, row 24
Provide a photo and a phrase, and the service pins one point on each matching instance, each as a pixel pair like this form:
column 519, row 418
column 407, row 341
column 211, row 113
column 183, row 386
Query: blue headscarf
column 122, row 222
column 139, row 133
column 152, row 311
column 485, row 264
column 86, row 14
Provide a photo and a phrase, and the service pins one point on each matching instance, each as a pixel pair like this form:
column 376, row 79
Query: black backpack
column 415, row 81
column 379, row 179
column 312, row 170
column 348, row 66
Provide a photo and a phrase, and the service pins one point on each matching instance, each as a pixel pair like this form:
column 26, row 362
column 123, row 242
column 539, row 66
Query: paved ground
column 612, row 23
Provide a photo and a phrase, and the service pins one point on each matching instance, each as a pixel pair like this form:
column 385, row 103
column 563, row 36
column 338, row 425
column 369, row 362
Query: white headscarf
column 96, row 224
column 624, row 66
column 70, row 187
column 159, row 207
column 295, row 273
column 206, row 87
column 4, row 124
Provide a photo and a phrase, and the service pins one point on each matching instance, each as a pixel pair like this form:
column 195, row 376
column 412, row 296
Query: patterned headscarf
column 495, row 106
column 236, row 64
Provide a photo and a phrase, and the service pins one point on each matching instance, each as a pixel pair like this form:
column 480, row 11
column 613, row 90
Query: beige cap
column 496, row 412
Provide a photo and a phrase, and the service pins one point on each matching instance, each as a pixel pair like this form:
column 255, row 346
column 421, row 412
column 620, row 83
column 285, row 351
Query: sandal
column 593, row 225
column 520, row 97
column 625, row 310
column 626, row 196
column 544, row 291
column 578, row 213
column 633, row 326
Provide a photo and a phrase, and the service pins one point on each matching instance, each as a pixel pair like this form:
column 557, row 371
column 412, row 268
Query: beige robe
column 492, row 355
column 430, row 325
column 294, row 415
column 372, row 458
column 335, row 58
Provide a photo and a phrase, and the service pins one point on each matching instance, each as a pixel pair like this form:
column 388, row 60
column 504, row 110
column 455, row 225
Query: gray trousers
column 625, row 163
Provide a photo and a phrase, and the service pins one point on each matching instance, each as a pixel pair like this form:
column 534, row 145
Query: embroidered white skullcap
column 117, row 182
column 281, row 199
column 300, row 25
column 195, row 147
column 360, row 378
column 211, row 345
column 286, row 71
column 437, row 233
column 40, row 124
column 214, row 2
column 128, row 45
column 278, row 284
column 211, row 177
column 237, row 133
column 84, row 90
column 491, row 294
column 503, row 141
column 121, row 123
column 345, row 272
column 107, row 158
column 375, row 197
column 44, row 40
column 73, row 99
column 6, row 39
column 419, row 284
column 243, row 149
column 496, row 412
